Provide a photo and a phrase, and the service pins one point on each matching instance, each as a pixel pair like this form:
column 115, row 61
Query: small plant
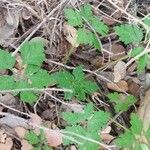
column 135, row 138
column 133, row 34
column 76, row 82
column 121, row 103
column 37, row 141
column 128, row 33
column 88, row 124
column 83, row 18
column 30, row 74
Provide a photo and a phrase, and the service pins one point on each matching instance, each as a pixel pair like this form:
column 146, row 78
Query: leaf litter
column 72, row 35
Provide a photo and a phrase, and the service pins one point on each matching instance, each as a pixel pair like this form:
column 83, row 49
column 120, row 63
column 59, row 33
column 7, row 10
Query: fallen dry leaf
column 119, row 71
column 117, row 51
column 20, row 132
column 120, row 86
column 26, row 145
column 106, row 137
column 7, row 145
column 54, row 137
column 134, row 88
column 106, row 130
column 71, row 34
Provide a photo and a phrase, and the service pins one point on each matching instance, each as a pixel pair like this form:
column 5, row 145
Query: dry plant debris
column 74, row 74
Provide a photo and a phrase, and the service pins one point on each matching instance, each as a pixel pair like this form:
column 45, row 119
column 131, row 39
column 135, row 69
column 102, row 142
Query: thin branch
column 13, row 109
column 36, row 90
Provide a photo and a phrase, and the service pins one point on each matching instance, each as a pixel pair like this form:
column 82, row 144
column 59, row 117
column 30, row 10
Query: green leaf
column 113, row 96
column 33, row 53
column 84, row 36
column 90, row 87
column 31, row 69
column 147, row 134
column 136, row 51
column 73, row 16
column 97, row 121
column 84, row 144
column 6, row 83
column 32, row 138
column 6, row 60
column 28, row 97
column 126, row 140
column 144, row 147
column 78, row 73
column 86, row 11
column 147, row 21
column 75, row 82
column 99, row 26
column 121, row 104
column 142, row 62
column 136, row 124
column 40, row 79
column 65, row 80
column 129, row 33
column 74, row 118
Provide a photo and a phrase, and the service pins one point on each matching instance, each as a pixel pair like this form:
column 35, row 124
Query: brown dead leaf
column 8, row 99
column 120, row 86
column 54, row 137
column 20, row 132
column 71, row 34
column 119, row 71
column 106, row 137
column 134, row 88
column 106, row 130
column 26, row 145
column 7, row 145
column 117, row 51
